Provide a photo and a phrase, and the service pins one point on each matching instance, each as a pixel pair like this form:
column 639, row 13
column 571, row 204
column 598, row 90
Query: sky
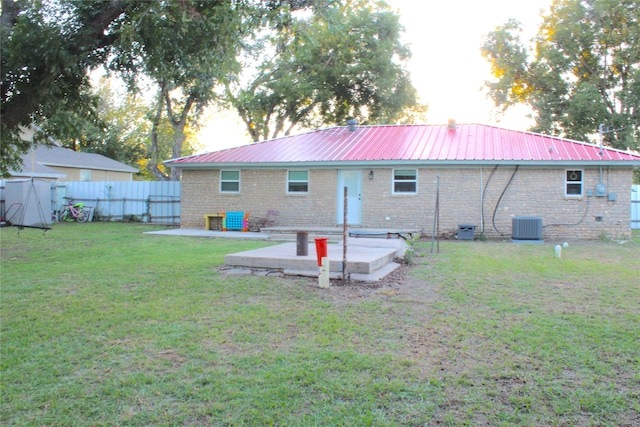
column 446, row 66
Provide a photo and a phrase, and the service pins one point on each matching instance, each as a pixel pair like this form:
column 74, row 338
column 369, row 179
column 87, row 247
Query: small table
column 217, row 220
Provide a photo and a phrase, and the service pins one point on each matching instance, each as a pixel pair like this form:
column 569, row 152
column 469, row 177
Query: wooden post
column 323, row 278
column 345, row 235
column 438, row 216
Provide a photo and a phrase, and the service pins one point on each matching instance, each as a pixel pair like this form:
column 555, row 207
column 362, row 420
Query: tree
column 126, row 125
column 49, row 47
column 343, row 61
column 583, row 72
column 44, row 61
column 185, row 49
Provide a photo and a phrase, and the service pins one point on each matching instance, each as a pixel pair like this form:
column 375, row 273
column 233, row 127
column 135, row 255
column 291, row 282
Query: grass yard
column 102, row 325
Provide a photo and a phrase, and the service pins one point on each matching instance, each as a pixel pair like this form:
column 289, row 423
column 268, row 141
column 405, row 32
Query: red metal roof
column 467, row 143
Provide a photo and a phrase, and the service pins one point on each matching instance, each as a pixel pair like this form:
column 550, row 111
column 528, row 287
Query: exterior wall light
column 371, row 175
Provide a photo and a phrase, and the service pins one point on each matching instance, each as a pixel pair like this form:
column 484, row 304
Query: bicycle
column 74, row 211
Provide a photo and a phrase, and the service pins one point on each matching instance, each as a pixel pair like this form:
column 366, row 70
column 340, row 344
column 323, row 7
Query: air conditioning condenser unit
column 526, row 228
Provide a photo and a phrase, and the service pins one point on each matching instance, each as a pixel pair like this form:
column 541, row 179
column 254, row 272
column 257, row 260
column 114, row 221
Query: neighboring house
column 52, row 161
column 68, row 165
column 485, row 176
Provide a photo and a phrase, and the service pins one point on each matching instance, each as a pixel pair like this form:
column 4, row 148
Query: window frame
column 85, row 175
column 223, row 181
column 297, row 181
column 568, row 183
column 395, row 181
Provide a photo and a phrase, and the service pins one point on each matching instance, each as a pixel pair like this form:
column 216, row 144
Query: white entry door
column 352, row 179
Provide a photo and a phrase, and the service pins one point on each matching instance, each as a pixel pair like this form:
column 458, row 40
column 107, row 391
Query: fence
column 635, row 207
column 159, row 201
column 147, row 201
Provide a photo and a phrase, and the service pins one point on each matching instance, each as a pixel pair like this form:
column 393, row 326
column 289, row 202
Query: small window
column 405, row 181
column 85, row 175
column 229, row 181
column 297, row 181
column 574, row 183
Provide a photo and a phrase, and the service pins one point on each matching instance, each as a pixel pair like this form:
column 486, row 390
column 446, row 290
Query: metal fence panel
column 148, row 201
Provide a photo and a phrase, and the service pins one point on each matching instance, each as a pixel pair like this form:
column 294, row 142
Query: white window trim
column 567, row 182
column 393, row 183
column 290, row 181
column 85, row 175
column 239, row 181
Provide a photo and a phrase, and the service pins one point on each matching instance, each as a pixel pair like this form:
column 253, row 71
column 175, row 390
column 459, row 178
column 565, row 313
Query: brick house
column 485, row 176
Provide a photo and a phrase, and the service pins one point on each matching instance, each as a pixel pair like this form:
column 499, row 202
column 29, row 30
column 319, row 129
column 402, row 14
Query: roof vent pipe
column 452, row 124
column 353, row 125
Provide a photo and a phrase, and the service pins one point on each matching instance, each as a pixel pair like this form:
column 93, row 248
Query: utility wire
column 622, row 128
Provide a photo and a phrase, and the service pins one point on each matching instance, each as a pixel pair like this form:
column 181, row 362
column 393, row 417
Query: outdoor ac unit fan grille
column 527, row 228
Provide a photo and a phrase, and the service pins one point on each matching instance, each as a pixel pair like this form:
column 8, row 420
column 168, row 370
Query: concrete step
column 360, row 277
column 360, row 259
column 334, row 233
column 282, row 237
column 291, row 233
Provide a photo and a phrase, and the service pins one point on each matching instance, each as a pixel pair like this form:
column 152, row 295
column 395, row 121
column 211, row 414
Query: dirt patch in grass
column 399, row 284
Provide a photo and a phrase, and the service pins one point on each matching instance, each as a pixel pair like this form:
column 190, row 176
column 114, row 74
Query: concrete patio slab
column 193, row 232
column 359, row 277
column 398, row 244
column 368, row 259
column 360, row 259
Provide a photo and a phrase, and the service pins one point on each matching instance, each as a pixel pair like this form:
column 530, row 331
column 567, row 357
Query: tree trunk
column 178, row 140
column 178, row 125
column 152, row 166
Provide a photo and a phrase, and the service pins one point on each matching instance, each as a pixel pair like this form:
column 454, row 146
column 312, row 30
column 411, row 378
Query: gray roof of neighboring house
column 37, row 170
column 48, row 155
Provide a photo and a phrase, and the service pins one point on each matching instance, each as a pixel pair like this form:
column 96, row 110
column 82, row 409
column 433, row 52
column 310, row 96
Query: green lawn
column 104, row 325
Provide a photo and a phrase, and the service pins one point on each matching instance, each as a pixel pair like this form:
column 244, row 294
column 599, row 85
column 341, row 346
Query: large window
column 573, row 186
column 405, row 181
column 298, row 182
column 229, row 181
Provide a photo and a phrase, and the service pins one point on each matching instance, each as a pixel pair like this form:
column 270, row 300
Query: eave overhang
column 401, row 163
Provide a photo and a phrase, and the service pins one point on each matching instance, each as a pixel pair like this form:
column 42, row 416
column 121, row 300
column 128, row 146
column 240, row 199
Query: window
column 85, row 175
column 573, row 183
column 405, row 181
column 229, row 181
column 297, row 181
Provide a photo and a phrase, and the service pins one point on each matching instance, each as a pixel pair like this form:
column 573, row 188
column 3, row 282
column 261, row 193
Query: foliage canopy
column 45, row 62
column 582, row 71
column 316, row 62
column 343, row 61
